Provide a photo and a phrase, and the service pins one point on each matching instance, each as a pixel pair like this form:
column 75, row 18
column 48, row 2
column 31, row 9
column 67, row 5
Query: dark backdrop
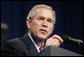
column 69, row 19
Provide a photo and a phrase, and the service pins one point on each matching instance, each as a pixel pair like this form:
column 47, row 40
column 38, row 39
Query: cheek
column 33, row 30
column 34, row 27
column 50, row 29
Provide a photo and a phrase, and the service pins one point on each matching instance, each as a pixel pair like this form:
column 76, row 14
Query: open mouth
column 43, row 30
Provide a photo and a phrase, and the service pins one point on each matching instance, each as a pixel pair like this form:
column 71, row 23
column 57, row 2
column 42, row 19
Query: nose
column 44, row 24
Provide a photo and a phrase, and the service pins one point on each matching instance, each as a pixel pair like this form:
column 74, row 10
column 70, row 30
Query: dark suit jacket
column 19, row 47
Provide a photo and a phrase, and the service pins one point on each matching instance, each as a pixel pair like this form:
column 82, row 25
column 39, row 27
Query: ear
column 28, row 23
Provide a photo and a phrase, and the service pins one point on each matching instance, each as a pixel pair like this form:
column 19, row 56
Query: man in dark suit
column 40, row 22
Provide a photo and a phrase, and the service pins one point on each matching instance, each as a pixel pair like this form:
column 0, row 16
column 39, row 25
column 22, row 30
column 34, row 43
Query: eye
column 41, row 18
column 49, row 20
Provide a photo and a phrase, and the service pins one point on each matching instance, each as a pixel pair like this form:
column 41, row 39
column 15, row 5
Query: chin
column 43, row 37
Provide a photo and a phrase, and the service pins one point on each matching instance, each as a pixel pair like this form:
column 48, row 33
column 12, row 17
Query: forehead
column 45, row 12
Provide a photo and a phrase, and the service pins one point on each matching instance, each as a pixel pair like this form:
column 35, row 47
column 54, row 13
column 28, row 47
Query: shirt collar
column 36, row 43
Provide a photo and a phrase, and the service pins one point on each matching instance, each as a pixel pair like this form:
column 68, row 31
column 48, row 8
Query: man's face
column 42, row 24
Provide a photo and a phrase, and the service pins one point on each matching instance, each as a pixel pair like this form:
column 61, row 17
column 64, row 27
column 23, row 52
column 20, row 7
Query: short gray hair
column 33, row 11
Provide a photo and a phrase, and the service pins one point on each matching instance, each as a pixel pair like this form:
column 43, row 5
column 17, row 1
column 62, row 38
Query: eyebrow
column 47, row 18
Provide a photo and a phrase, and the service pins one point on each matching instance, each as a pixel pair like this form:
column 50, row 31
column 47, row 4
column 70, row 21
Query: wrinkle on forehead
column 48, row 13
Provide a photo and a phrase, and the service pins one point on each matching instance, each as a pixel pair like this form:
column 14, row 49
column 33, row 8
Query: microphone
column 69, row 39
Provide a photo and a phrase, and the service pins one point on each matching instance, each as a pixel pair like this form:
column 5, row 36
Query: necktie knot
column 41, row 48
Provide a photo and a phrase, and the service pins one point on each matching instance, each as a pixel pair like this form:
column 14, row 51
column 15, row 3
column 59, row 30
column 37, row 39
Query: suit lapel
column 30, row 47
